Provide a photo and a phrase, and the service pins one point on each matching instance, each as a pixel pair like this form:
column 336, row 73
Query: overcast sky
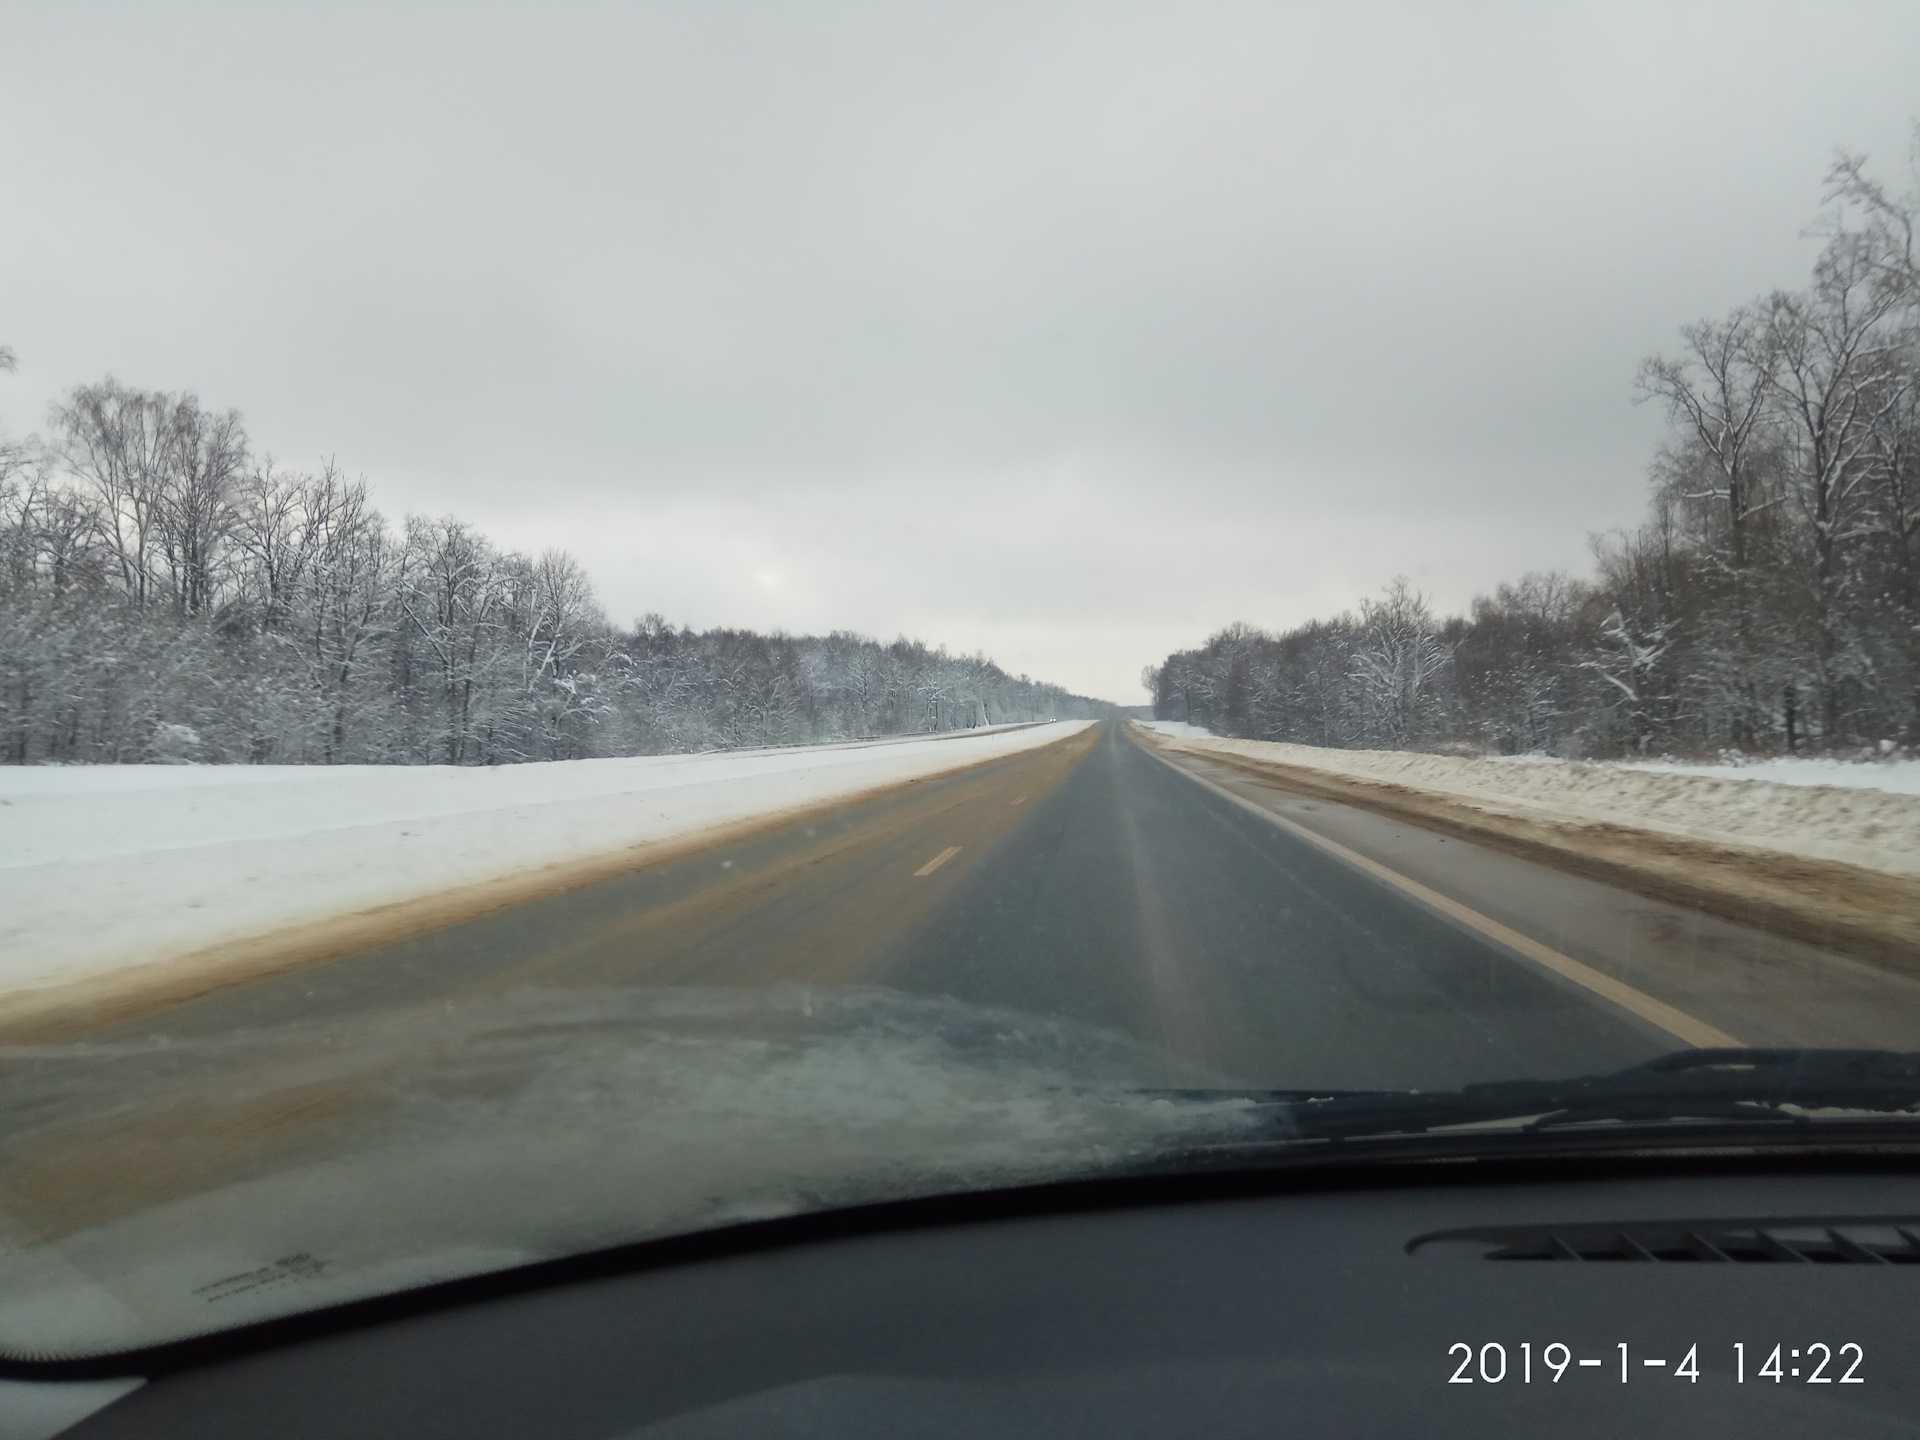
column 1070, row 332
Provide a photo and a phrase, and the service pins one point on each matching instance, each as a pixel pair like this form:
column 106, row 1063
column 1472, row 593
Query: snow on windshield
column 287, row 1168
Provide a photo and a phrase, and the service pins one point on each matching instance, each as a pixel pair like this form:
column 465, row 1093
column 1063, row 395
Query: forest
column 166, row 596
column 1769, row 603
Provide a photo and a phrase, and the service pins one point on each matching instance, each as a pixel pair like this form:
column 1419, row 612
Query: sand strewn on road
column 116, row 880
column 1834, row 867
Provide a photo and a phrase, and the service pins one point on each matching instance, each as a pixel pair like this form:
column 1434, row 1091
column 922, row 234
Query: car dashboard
column 1604, row 1300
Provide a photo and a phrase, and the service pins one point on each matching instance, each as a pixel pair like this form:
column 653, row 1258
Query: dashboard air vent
column 1849, row 1240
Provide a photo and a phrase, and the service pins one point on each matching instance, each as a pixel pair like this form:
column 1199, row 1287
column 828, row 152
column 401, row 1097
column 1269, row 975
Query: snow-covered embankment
column 131, row 871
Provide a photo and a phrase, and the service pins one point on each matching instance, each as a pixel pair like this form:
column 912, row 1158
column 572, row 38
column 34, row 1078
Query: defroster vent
column 1846, row 1240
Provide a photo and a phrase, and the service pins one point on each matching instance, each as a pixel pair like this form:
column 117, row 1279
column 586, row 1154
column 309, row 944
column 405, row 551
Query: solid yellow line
column 1675, row 1022
column 937, row 861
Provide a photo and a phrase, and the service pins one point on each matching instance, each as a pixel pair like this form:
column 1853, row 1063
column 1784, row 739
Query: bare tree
column 162, row 474
column 116, row 441
column 1398, row 656
column 1836, row 382
column 206, row 455
column 450, row 595
column 1717, row 390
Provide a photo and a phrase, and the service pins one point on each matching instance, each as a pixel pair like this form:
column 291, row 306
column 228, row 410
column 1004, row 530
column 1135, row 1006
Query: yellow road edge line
column 1675, row 1021
column 937, row 861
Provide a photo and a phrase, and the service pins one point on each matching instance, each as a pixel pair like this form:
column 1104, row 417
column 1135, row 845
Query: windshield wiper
column 1770, row 1086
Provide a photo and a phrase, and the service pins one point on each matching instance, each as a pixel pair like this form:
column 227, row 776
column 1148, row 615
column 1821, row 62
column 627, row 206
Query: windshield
column 619, row 623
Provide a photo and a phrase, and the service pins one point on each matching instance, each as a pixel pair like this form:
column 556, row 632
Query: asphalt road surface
column 1093, row 879
column 1244, row 935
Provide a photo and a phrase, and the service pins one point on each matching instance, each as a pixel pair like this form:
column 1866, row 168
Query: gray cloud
column 1064, row 331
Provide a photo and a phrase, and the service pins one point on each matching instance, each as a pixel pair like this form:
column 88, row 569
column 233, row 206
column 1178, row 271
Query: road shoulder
column 1867, row 914
column 1764, row 987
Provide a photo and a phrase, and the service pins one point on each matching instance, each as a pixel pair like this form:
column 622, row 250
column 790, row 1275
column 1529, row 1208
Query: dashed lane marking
column 1016, row 800
column 937, row 861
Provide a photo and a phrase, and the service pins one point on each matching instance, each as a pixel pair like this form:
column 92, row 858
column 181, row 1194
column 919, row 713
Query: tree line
column 1770, row 603
column 166, row 595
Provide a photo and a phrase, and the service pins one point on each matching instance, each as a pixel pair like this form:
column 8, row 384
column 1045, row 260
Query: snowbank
column 1178, row 728
column 1877, row 829
column 115, row 866
column 1896, row 777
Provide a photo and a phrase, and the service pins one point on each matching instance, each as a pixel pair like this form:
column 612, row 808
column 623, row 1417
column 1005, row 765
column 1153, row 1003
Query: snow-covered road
column 104, row 868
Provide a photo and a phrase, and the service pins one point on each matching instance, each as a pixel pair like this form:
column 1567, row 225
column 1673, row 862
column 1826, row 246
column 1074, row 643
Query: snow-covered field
column 1877, row 826
column 115, row 866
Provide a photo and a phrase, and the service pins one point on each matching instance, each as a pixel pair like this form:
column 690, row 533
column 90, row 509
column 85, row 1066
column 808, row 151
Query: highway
column 1200, row 912
column 1233, row 933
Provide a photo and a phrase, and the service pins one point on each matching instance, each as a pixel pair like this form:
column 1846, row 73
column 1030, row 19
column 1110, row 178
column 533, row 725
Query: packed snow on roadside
column 1895, row 776
column 1176, row 727
column 1876, row 827
column 109, row 866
